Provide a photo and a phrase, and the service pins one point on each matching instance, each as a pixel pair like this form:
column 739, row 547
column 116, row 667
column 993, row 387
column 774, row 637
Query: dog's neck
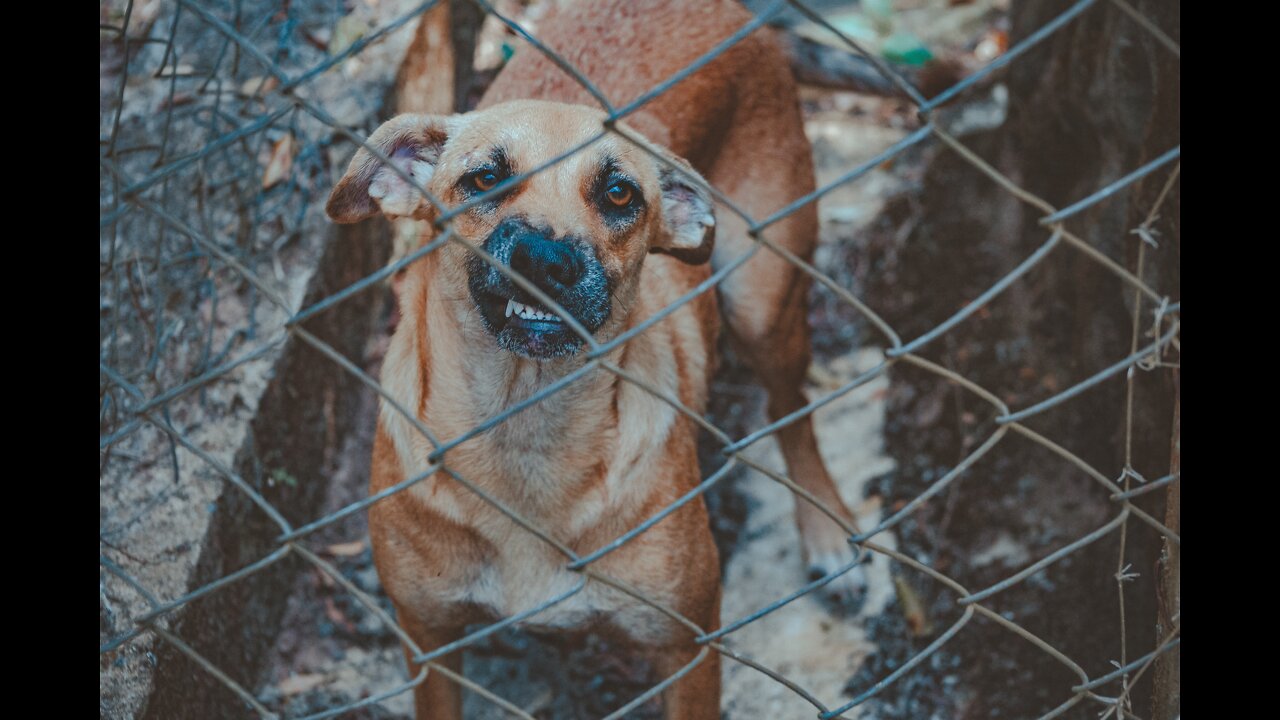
column 450, row 373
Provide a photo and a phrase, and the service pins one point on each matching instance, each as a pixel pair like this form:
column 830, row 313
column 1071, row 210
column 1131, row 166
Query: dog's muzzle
column 565, row 269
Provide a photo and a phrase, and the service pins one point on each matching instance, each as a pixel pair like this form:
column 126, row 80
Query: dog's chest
column 582, row 502
column 583, row 465
column 546, row 597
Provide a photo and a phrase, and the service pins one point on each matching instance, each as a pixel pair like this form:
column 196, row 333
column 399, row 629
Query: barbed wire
column 141, row 201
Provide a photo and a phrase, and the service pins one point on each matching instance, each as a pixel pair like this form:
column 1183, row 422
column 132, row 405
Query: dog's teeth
column 528, row 312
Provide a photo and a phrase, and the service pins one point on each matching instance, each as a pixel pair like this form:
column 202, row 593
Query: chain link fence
column 220, row 182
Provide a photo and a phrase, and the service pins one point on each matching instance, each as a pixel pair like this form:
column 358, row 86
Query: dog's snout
column 551, row 265
column 564, row 269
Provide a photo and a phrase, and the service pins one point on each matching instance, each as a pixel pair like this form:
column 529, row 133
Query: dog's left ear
column 688, row 213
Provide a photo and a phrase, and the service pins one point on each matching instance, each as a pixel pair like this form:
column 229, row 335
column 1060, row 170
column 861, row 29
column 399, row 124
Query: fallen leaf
column 178, row 100
column 323, row 578
column 346, row 549
column 345, row 32
column 318, row 38
column 296, row 684
column 336, row 616
column 281, row 162
column 929, row 410
column 259, row 85
column 181, row 70
column 994, row 44
column 912, row 608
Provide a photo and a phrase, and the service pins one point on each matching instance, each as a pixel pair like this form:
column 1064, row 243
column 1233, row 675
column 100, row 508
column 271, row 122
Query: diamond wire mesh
column 229, row 148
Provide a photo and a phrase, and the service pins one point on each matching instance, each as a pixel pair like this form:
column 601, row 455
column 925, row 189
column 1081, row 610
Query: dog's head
column 577, row 230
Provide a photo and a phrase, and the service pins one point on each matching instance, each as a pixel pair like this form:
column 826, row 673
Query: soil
column 885, row 443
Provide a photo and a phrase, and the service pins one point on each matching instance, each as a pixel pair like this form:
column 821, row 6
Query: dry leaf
column 993, row 44
column 912, row 608
column 323, row 578
column 178, row 100
column 281, row 162
column 296, row 684
column 346, row 549
column 345, row 32
column 259, row 85
column 336, row 617
column 181, row 70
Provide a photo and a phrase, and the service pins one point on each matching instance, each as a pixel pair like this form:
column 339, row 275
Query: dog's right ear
column 413, row 143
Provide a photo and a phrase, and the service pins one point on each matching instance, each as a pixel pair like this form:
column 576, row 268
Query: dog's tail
column 815, row 63
column 424, row 83
column 425, row 80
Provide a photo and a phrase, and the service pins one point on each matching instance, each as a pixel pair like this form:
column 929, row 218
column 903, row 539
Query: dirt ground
column 332, row 651
column 169, row 312
column 884, row 442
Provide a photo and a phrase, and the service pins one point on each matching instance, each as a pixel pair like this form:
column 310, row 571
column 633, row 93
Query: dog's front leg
column 438, row 697
column 696, row 696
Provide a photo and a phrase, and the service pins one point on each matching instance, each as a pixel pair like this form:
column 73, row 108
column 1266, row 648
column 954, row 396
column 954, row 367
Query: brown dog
column 611, row 234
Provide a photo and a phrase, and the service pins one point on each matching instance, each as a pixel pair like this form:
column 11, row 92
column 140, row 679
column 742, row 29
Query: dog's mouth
column 535, row 315
column 527, row 328
column 565, row 268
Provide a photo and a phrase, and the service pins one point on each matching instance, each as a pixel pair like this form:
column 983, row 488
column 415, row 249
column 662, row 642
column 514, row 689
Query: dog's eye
column 484, row 180
column 620, row 194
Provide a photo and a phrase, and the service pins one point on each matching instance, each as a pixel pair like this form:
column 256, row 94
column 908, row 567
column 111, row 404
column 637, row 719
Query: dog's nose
column 553, row 266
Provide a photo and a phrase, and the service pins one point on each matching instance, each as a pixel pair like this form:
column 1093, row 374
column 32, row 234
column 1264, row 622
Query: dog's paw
column 828, row 553
column 848, row 590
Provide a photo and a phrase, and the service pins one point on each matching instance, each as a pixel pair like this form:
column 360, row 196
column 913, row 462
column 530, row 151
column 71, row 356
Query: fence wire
column 209, row 202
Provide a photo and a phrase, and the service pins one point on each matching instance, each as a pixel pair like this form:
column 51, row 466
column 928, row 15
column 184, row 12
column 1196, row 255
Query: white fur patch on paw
column 850, row 587
column 396, row 197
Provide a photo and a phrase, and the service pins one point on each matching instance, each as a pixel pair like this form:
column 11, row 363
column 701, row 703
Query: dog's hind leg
column 437, row 697
column 763, row 166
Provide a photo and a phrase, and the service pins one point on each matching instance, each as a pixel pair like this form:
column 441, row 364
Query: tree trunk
column 1095, row 101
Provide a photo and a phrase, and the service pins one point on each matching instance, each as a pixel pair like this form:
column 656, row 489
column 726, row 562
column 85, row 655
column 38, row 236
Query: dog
column 611, row 234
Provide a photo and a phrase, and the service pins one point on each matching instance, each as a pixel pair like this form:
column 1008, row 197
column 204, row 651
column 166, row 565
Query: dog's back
column 737, row 120
column 627, row 50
